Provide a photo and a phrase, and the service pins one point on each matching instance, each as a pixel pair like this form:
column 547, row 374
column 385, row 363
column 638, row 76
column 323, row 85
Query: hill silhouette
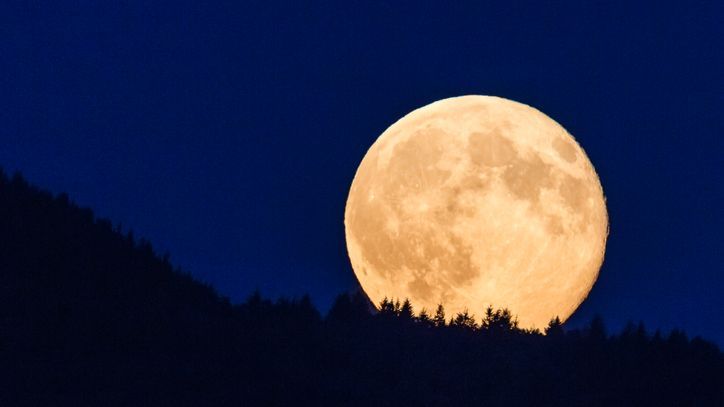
column 89, row 315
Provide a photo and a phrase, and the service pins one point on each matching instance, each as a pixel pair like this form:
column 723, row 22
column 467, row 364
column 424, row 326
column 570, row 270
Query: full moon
column 475, row 201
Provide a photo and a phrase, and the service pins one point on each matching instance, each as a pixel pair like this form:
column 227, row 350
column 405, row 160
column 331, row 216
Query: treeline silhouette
column 91, row 316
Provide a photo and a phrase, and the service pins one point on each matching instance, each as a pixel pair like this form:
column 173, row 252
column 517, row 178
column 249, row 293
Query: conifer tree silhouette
column 423, row 318
column 439, row 318
column 387, row 308
column 554, row 328
column 406, row 311
column 500, row 321
column 464, row 320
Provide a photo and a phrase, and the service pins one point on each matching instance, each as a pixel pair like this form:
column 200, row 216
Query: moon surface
column 474, row 201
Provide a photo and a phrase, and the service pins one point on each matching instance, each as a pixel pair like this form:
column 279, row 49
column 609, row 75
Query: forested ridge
column 92, row 316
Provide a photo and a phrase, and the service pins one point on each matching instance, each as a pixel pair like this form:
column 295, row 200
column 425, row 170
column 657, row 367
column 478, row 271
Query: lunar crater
column 565, row 150
column 490, row 148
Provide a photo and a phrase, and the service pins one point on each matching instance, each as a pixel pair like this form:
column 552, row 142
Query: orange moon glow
column 475, row 201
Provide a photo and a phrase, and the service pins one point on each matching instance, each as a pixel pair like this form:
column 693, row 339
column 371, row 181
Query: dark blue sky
column 228, row 134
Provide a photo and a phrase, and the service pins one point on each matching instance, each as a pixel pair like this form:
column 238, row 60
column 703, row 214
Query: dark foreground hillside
column 91, row 317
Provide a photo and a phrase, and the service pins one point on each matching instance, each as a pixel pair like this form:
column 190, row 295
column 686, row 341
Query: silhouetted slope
column 60, row 264
column 88, row 316
column 86, row 309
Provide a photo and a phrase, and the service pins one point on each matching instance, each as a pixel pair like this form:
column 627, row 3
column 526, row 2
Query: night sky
column 229, row 134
